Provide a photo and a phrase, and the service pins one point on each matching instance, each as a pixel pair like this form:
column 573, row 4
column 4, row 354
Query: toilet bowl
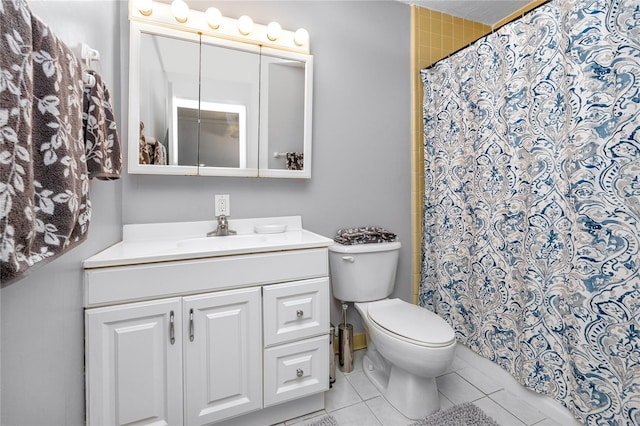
column 407, row 346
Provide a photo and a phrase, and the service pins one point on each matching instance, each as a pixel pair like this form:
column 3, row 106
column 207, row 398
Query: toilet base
column 415, row 397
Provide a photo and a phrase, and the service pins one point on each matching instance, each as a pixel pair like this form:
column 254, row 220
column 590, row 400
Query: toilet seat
column 411, row 323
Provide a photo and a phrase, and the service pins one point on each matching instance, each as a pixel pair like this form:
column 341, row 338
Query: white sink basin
column 235, row 242
column 161, row 242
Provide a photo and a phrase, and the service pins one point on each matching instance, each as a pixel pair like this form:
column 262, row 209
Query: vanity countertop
column 162, row 242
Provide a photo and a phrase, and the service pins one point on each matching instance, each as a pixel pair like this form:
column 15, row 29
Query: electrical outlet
column 223, row 207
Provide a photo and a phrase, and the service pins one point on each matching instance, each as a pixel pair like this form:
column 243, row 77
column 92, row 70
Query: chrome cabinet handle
column 191, row 328
column 299, row 313
column 299, row 372
column 172, row 331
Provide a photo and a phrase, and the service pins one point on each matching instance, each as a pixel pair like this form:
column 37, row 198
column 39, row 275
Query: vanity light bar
column 243, row 29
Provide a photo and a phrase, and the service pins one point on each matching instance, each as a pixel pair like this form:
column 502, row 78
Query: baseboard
column 359, row 342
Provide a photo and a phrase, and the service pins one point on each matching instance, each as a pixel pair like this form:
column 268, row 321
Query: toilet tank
column 363, row 272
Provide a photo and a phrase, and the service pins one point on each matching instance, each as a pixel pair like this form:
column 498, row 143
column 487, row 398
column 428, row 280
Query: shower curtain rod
column 493, row 30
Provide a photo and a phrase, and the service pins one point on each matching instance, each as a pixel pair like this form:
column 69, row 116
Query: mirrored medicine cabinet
column 202, row 105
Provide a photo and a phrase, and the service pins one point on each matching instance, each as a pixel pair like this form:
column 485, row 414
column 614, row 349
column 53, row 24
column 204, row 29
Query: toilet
column 407, row 346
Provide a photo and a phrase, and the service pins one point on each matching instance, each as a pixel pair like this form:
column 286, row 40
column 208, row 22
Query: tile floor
column 354, row 401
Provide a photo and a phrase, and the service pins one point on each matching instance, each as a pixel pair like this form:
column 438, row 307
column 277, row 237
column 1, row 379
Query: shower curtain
column 532, row 202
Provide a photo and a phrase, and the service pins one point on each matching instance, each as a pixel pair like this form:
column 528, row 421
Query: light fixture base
column 197, row 23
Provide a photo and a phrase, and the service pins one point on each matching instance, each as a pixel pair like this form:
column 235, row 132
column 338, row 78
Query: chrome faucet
column 223, row 228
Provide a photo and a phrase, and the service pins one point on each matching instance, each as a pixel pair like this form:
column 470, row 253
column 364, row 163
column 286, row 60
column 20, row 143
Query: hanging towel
column 159, row 153
column 145, row 151
column 44, row 204
column 364, row 235
column 151, row 150
column 104, row 160
column 295, row 160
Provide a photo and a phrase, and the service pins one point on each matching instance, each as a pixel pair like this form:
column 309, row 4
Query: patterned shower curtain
column 531, row 245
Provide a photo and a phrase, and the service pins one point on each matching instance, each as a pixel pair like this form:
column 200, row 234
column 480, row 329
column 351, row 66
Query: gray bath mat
column 465, row 414
column 327, row 420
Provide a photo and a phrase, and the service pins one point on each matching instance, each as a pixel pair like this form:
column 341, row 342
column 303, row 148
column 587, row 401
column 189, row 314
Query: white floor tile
column 457, row 389
column 516, row 406
column 307, row 417
column 354, row 401
column 386, row 413
column 547, row 422
column 362, row 385
column 485, row 383
column 498, row 413
column 339, row 376
column 355, row 415
column 457, row 364
column 445, row 402
column 553, row 409
column 341, row 395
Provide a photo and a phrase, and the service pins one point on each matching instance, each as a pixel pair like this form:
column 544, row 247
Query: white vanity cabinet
column 134, row 363
column 235, row 339
column 222, row 362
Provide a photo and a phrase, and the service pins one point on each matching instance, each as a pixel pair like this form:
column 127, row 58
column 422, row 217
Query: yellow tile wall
column 434, row 36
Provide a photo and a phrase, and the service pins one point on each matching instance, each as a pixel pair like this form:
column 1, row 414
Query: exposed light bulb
column 144, row 6
column 274, row 30
column 245, row 25
column 301, row 37
column 180, row 10
column 213, row 17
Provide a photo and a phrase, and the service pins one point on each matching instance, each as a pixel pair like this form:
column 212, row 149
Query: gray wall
column 42, row 318
column 361, row 176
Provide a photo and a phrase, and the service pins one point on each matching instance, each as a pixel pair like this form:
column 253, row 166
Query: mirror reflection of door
column 220, row 141
column 220, row 129
column 168, row 69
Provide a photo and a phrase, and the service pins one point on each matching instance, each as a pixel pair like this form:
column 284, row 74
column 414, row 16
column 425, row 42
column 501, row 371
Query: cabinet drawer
column 295, row 310
column 296, row 369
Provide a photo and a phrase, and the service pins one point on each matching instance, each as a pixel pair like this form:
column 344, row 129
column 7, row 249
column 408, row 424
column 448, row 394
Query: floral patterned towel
column 364, row 235
column 44, row 188
column 295, row 160
column 104, row 160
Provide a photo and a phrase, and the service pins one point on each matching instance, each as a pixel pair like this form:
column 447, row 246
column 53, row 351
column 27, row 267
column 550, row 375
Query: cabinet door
column 223, row 355
column 134, row 363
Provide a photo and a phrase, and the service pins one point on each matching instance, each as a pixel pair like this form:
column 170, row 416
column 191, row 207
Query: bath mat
column 465, row 414
column 327, row 420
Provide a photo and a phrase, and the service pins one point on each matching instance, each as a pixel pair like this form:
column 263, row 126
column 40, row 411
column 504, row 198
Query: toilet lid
column 411, row 322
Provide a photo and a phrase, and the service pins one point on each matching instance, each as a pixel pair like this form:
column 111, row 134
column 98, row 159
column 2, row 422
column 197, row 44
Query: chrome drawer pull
column 299, row 313
column 172, row 332
column 191, row 328
column 299, row 372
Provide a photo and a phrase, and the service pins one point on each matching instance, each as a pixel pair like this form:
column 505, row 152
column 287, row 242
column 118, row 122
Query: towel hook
column 89, row 55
